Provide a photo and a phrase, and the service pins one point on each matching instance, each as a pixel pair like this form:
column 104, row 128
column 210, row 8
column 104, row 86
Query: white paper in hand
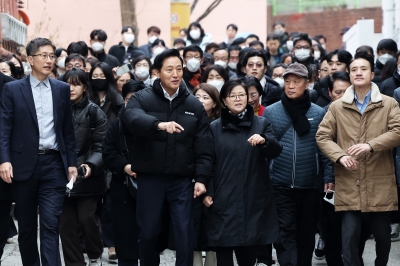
column 70, row 184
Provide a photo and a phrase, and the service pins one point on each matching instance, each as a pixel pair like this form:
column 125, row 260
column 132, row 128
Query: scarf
column 297, row 110
column 192, row 78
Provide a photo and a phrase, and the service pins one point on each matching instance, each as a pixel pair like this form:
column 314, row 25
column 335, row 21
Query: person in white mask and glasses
column 386, row 50
column 141, row 69
column 221, row 57
column 98, row 40
column 125, row 46
column 153, row 33
column 302, row 51
column 192, row 58
column 197, row 36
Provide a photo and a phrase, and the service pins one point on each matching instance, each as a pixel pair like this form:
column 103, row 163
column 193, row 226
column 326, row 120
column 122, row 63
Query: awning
column 24, row 17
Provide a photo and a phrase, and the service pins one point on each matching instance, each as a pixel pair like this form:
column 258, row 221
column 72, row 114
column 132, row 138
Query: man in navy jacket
column 37, row 152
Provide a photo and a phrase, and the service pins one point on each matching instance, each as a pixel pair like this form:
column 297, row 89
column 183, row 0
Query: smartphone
column 124, row 69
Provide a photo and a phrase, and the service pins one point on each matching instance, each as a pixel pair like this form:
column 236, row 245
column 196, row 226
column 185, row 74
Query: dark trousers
column 44, row 189
column 5, row 209
column 351, row 233
column 265, row 254
column 79, row 212
column 297, row 215
column 153, row 191
column 106, row 221
column 332, row 225
column 245, row 256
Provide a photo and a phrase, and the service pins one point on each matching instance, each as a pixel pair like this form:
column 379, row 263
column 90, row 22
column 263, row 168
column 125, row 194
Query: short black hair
column 234, row 48
column 253, row 36
column 221, row 49
column 58, row 52
column 157, row 42
column 279, row 65
column 253, row 81
column 254, row 53
column 77, row 76
column 79, row 47
column 273, row 36
column 101, row 35
column 302, row 37
column 238, row 41
column 159, row 60
column 338, row 75
column 278, row 23
column 343, row 56
column 254, row 43
column 208, row 60
column 365, row 56
column 366, row 49
column 132, row 86
column 12, row 67
column 234, row 27
column 319, row 37
column 228, row 87
column 211, row 46
column 140, row 58
column 221, row 71
column 387, row 44
column 197, row 25
column 242, row 54
column 153, row 29
column 35, row 44
column 126, row 28
column 179, row 40
column 193, row 48
column 75, row 57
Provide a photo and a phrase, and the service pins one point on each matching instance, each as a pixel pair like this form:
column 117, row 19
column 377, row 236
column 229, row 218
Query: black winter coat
column 319, row 95
column 272, row 92
column 244, row 211
column 5, row 189
column 118, row 51
column 123, row 206
column 111, row 60
column 88, row 144
column 391, row 84
column 186, row 154
column 378, row 72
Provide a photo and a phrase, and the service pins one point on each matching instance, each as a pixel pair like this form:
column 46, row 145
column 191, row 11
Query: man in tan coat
column 366, row 126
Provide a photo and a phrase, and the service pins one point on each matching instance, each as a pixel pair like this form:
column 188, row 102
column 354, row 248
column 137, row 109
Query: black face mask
column 99, row 84
column 19, row 70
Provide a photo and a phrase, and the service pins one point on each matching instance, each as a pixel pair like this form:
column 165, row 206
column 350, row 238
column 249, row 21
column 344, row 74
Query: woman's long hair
column 111, row 90
column 214, row 94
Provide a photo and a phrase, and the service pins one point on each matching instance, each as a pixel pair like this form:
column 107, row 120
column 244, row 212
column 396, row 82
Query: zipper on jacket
column 294, row 159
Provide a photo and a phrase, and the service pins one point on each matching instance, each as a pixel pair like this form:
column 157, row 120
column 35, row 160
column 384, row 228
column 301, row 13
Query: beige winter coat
column 372, row 187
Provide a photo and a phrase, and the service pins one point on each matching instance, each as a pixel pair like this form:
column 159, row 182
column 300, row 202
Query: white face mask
column 384, row 58
column 232, row 65
column 129, row 38
column 279, row 32
column 317, row 55
column 61, row 63
column 216, row 83
column 142, row 72
column 302, row 54
column 152, row 39
column 281, row 81
column 195, row 34
column 6, row 74
column 323, row 46
column 221, row 63
column 97, row 47
column 311, row 86
column 158, row 51
column 289, row 45
column 193, row 65
column 152, row 80
column 242, row 46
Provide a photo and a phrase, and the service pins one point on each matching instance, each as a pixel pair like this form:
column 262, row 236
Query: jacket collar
column 230, row 122
column 81, row 104
column 376, row 96
column 183, row 92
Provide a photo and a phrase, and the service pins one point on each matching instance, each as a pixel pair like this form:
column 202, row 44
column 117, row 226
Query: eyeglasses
column 257, row 65
column 239, row 96
column 274, row 76
column 142, row 65
column 73, row 66
column 195, row 57
column 254, row 95
column 305, row 47
column 45, row 56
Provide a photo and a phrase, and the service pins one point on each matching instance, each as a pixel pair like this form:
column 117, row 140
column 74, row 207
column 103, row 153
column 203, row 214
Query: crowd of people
column 209, row 149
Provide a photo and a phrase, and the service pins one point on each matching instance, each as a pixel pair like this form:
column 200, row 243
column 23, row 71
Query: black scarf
column 297, row 110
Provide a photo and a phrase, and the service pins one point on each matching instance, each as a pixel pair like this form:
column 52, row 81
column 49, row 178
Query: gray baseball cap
column 297, row 69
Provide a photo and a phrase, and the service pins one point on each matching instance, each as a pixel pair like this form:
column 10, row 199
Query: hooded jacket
column 185, row 154
column 372, row 186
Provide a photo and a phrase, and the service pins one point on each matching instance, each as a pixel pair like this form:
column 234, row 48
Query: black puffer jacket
column 89, row 148
column 320, row 95
column 272, row 92
column 391, row 84
column 186, row 154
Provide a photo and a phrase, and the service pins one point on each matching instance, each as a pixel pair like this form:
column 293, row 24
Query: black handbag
column 130, row 181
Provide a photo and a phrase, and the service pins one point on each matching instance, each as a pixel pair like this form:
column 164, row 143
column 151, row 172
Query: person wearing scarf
column 295, row 174
column 192, row 59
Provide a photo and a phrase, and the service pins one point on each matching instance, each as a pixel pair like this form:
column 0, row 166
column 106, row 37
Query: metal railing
column 12, row 29
column 284, row 7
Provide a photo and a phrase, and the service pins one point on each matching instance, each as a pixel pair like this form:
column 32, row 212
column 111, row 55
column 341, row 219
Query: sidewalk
column 11, row 256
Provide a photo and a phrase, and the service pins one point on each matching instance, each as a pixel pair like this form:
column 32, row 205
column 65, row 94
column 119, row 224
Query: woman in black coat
column 123, row 206
column 242, row 212
column 90, row 126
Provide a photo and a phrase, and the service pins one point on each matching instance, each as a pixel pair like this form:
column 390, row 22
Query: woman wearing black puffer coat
column 90, row 126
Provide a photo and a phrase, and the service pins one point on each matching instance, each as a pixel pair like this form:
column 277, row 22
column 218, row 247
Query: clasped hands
column 349, row 161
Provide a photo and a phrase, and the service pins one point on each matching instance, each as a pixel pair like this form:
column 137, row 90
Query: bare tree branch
column 209, row 9
column 193, row 5
column 128, row 16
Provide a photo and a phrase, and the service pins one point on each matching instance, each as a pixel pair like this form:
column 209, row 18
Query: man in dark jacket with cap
column 294, row 174
column 170, row 145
